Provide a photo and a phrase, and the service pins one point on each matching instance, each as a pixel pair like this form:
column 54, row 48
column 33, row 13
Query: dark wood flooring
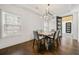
column 67, row 47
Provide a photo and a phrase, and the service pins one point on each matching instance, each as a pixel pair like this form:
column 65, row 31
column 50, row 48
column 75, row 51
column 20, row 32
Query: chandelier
column 47, row 15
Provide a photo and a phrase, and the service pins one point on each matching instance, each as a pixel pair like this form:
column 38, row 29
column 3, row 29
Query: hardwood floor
column 67, row 47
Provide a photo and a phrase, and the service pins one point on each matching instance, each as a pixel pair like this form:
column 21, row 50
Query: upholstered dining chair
column 37, row 38
column 55, row 38
column 52, row 37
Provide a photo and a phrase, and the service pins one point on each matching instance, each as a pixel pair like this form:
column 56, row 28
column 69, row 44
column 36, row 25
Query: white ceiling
column 57, row 9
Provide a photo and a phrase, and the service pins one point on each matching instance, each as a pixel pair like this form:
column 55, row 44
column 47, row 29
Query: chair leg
column 57, row 43
column 33, row 42
column 60, row 40
column 53, row 43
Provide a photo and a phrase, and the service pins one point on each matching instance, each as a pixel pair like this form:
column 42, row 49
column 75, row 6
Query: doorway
column 67, row 25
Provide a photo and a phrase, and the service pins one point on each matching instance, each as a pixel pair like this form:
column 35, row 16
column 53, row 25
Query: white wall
column 29, row 20
column 75, row 26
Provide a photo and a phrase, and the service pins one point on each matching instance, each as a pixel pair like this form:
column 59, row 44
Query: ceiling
column 57, row 9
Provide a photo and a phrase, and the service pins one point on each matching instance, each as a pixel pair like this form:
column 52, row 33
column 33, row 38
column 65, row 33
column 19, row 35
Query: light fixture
column 47, row 15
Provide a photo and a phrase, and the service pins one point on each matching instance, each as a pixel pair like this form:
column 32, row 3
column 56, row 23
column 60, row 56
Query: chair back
column 36, row 36
column 56, row 34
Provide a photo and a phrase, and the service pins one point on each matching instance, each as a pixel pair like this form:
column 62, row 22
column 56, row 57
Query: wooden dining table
column 46, row 36
column 45, row 33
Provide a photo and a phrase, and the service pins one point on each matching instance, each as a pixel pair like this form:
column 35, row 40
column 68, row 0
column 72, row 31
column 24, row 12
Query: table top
column 45, row 33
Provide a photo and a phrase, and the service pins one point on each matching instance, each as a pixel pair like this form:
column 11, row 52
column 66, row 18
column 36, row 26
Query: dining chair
column 37, row 39
column 50, row 42
column 52, row 33
column 59, row 38
column 56, row 38
column 52, row 37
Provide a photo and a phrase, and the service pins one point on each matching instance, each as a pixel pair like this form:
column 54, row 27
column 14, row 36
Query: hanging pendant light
column 47, row 15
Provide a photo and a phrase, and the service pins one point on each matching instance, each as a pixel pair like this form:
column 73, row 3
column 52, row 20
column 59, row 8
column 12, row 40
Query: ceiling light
column 47, row 15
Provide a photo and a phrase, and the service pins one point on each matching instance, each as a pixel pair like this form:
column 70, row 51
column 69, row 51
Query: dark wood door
column 59, row 24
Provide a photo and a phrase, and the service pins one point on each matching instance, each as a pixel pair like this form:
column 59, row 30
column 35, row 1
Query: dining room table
column 45, row 33
column 46, row 37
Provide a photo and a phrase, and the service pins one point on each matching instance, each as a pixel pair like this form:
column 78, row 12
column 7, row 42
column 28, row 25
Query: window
column 10, row 24
column 46, row 26
column 68, row 27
